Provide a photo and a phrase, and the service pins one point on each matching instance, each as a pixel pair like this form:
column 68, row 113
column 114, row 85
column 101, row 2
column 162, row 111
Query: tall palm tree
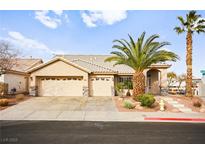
column 139, row 55
column 193, row 23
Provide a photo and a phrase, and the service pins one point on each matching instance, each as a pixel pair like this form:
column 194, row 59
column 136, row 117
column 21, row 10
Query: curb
column 175, row 119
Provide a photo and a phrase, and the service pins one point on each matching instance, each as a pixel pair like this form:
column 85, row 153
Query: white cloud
column 94, row 18
column 25, row 42
column 58, row 12
column 51, row 19
column 30, row 47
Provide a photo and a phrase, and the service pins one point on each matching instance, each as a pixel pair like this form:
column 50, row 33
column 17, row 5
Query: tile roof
column 22, row 65
column 96, row 63
column 92, row 66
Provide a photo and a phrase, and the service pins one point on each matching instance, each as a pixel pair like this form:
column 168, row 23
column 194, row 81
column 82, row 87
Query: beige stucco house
column 17, row 78
column 88, row 75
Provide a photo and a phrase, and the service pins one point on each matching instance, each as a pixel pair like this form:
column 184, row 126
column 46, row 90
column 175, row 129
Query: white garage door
column 60, row 87
column 101, row 86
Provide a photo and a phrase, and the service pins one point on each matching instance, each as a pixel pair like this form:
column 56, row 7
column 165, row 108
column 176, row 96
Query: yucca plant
column 139, row 55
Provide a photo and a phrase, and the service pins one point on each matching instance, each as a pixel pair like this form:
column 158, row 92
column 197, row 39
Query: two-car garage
column 60, row 77
column 60, row 86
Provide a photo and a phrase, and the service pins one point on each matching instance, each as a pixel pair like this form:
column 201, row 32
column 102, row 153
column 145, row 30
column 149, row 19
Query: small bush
column 4, row 102
column 20, row 97
column 197, row 102
column 146, row 100
column 129, row 105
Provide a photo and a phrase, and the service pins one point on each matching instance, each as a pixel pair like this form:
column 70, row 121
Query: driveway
column 58, row 107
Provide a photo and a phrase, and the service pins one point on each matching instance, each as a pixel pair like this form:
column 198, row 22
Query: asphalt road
column 100, row 132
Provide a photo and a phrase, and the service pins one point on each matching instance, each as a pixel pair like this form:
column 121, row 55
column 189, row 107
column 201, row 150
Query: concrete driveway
column 58, row 108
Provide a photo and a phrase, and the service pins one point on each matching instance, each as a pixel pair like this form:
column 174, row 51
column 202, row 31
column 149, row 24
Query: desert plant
column 20, row 97
column 128, row 85
column 197, row 102
column 119, row 88
column 128, row 104
column 193, row 23
column 4, row 102
column 139, row 55
column 146, row 100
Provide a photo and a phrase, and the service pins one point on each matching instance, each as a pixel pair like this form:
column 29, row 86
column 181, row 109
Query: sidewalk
column 104, row 116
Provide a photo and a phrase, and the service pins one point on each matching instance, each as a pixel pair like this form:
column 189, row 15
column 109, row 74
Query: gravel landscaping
column 188, row 102
column 155, row 107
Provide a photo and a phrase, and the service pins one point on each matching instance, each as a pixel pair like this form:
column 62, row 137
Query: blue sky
column 44, row 33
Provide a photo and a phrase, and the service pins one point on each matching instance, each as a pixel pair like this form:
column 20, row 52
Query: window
column 124, row 78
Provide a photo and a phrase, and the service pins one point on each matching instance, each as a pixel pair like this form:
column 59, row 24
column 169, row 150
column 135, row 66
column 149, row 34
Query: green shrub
column 119, row 88
column 128, row 104
column 146, row 100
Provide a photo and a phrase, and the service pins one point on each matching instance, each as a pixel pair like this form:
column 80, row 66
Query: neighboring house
column 88, row 75
column 17, row 78
column 176, row 88
column 202, row 84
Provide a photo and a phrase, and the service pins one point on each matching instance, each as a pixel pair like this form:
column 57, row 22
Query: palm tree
column 139, row 55
column 193, row 23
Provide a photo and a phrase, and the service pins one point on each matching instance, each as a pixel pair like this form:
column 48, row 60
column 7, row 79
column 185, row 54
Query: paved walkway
column 177, row 105
column 80, row 109
column 93, row 115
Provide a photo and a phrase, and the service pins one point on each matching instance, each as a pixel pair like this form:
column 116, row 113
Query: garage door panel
column 101, row 87
column 60, row 87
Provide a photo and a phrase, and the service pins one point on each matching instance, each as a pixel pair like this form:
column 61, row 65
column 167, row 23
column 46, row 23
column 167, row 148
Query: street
column 100, row 132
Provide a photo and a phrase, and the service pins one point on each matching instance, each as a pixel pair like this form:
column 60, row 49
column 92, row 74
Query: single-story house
column 17, row 78
column 88, row 75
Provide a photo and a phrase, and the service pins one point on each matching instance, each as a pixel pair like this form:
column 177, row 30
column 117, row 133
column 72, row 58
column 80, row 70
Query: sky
column 42, row 34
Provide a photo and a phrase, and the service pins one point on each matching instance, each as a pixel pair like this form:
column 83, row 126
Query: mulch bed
column 188, row 102
column 155, row 107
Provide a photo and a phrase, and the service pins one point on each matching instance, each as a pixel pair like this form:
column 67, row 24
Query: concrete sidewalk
column 94, row 115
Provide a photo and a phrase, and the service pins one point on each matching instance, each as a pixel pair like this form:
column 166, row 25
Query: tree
column 139, row 55
column 7, row 56
column 181, row 78
column 193, row 23
column 171, row 76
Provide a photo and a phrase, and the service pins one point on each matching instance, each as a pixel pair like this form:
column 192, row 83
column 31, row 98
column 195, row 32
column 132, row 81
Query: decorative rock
column 139, row 107
column 175, row 110
column 202, row 110
column 120, row 99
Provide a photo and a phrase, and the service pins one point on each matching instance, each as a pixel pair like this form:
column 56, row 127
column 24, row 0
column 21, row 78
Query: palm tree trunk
column 189, row 64
column 138, row 83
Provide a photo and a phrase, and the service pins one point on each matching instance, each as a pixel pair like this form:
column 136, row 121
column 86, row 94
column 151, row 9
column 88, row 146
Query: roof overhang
column 160, row 66
column 55, row 60
column 106, row 73
column 15, row 72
